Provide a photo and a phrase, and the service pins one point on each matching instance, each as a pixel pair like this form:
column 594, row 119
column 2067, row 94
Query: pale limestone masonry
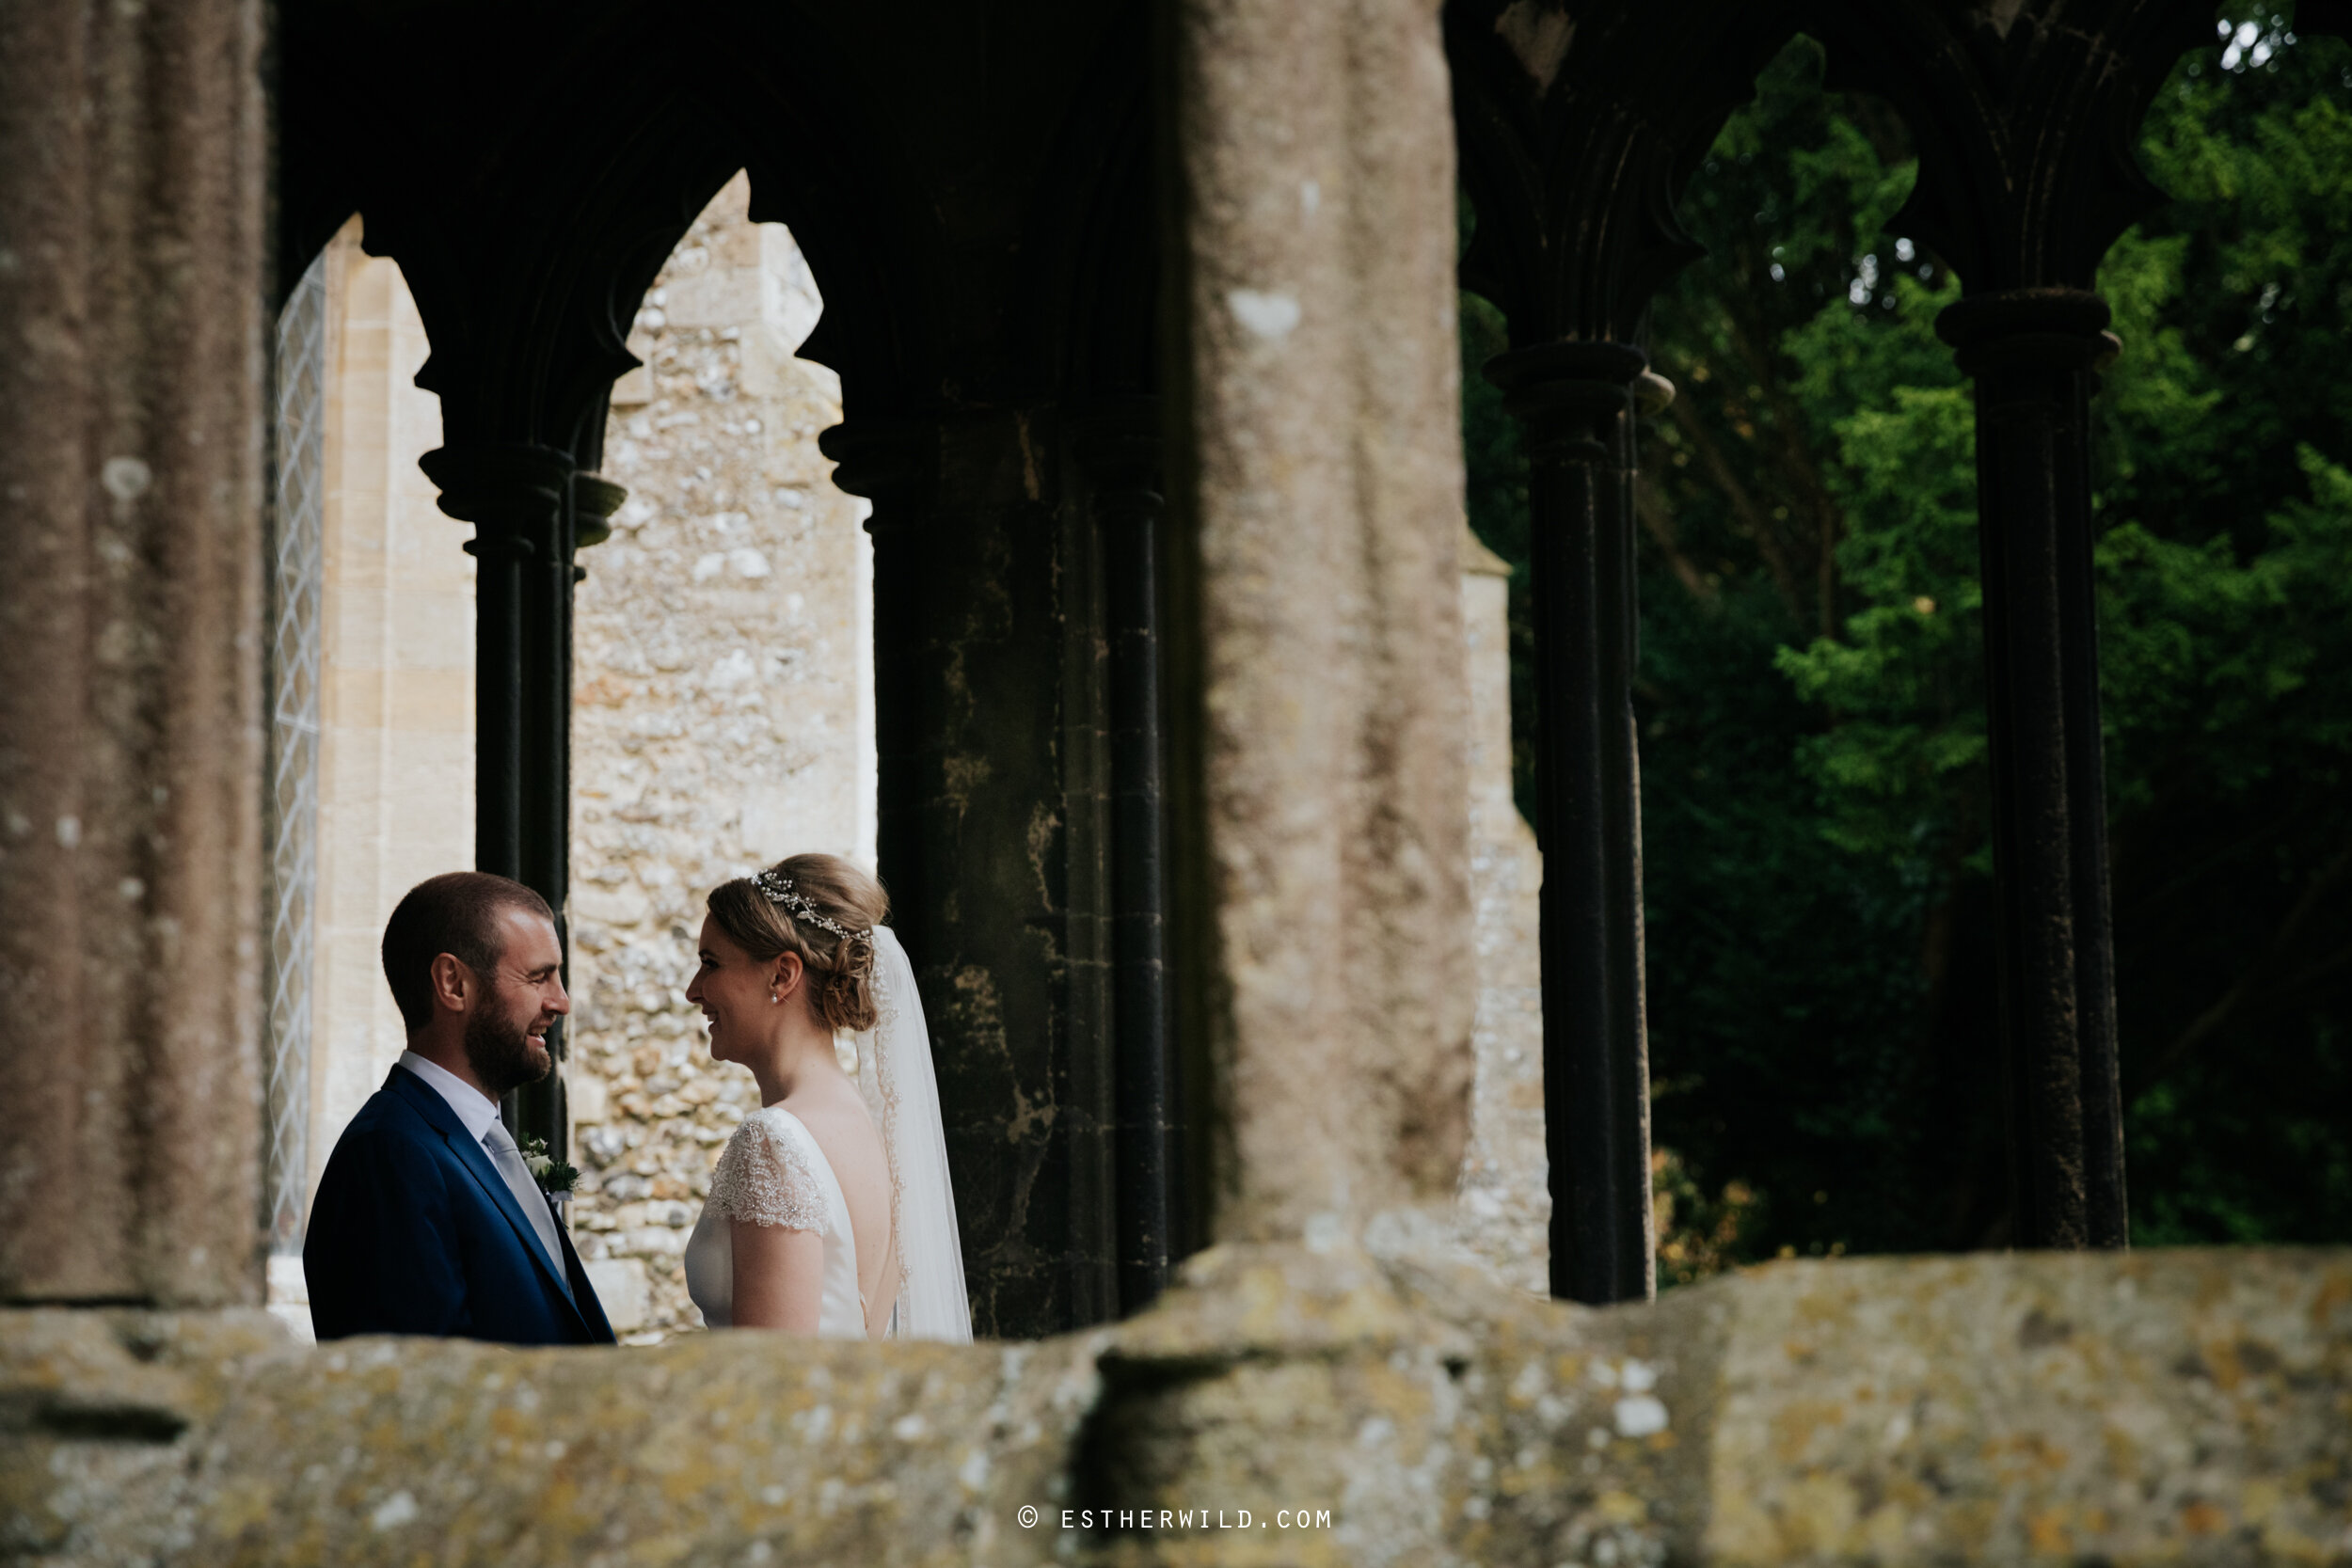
column 396, row 691
column 396, row 706
column 723, row 716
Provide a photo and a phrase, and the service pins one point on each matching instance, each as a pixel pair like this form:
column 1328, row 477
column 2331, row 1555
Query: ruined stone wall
column 723, row 717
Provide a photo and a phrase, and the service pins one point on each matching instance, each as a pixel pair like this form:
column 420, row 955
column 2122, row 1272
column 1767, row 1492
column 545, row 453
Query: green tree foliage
column 1811, row 696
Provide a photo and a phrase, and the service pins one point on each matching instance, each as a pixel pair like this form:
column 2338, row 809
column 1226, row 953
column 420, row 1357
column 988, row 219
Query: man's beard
column 501, row 1054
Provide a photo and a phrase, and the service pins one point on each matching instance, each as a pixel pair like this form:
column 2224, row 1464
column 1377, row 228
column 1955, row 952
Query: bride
column 829, row 1212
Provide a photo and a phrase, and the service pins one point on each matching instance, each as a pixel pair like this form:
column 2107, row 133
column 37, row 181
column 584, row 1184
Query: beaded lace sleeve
column 764, row 1177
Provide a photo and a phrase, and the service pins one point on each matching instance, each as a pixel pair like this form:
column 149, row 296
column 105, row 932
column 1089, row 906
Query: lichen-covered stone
column 2160, row 1406
column 100, row 1414
column 735, row 1448
column 2174, row 1407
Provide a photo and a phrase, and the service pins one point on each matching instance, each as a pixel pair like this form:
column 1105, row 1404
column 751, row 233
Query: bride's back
column 829, row 912
column 837, row 1117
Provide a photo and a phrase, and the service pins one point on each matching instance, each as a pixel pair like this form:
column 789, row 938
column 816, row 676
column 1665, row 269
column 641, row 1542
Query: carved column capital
column 512, row 493
column 595, row 500
column 1117, row 444
column 2054, row 329
column 1569, row 396
column 893, row 461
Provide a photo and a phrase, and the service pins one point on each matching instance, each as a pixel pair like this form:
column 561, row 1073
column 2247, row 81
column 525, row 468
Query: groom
column 427, row 1220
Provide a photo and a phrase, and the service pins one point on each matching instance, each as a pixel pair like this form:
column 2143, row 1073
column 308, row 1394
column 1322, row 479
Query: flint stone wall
column 2158, row 1407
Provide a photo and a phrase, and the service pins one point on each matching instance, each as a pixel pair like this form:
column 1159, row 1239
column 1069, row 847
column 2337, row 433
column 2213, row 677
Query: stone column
column 2035, row 353
column 1576, row 402
column 1316, row 653
column 520, row 500
column 131, row 179
column 987, row 734
column 1119, row 444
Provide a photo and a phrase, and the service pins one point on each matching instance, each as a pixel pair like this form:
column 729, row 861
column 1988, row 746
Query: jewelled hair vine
column 781, row 893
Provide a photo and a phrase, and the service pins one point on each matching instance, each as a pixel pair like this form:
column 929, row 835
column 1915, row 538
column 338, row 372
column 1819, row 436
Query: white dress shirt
column 474, row 1109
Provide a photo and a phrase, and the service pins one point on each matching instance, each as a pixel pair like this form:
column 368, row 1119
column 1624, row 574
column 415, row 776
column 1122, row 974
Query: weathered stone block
column 2175, row 1407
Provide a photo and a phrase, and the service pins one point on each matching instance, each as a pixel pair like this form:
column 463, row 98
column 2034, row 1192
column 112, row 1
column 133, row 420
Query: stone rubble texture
column 722, row 718
column 2163, row 1407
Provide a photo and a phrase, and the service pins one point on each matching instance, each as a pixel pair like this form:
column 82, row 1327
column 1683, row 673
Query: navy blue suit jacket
column 414, row 1232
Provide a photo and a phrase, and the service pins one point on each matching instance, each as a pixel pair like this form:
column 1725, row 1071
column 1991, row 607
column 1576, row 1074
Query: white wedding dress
column 774, row 1172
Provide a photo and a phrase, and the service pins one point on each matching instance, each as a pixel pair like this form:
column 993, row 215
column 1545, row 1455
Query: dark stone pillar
column 522, row 502
column 132, row 175
column 1120, row 447
column 2034, row 354
column 981, row 672
column 1576, row 402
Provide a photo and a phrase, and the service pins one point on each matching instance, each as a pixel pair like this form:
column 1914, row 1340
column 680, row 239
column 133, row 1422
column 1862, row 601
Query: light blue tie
column 509, row 1160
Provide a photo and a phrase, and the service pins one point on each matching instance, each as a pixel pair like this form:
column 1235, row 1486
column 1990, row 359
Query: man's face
column 506, row 1034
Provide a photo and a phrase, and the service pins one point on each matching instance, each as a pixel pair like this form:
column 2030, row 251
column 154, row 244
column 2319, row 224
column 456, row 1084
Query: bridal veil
column 901, row 1090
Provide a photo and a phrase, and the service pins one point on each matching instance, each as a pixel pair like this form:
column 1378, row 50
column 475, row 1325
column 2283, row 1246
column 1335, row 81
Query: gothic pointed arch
column 1577, row 131
column 2026, row 115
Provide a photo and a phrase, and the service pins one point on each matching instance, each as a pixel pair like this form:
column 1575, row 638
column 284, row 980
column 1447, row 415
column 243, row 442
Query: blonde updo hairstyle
column 840, row 969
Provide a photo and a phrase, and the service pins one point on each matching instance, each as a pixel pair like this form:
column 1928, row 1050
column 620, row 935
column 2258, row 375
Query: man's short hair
column 456, row 912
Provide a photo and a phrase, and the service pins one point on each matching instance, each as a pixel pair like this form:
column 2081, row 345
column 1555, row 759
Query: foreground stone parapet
column 2158, row 1407
column 718, row 1449
column 2141, row 1409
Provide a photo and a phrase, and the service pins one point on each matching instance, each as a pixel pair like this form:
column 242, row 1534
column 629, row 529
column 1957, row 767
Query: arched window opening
column 723, row 716
column 732, row 604
column 1816, row 812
